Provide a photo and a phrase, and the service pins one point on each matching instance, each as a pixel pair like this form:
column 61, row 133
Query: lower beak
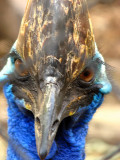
column 46, row 121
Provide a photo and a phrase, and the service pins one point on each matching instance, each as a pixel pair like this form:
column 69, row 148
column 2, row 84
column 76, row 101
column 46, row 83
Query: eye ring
column 20, row 68
column 87, row 75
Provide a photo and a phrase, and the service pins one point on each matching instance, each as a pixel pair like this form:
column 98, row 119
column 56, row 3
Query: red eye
column 87, row 75
column 19, row 66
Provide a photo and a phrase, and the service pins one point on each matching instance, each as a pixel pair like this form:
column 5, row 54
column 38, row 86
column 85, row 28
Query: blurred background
column 104, row 131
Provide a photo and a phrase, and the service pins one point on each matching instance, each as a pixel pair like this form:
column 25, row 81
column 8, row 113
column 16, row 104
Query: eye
column 20, row 68
column 87, row 75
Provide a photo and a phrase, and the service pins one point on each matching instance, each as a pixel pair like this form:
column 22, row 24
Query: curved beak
column 46, row 120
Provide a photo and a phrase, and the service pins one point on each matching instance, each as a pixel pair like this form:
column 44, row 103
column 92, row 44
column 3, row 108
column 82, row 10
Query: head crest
column 57, row 28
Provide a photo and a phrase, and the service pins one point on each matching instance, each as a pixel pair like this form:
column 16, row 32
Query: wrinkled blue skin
column 68, row 144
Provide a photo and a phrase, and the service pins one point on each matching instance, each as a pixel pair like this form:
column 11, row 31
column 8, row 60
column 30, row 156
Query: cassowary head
column 54, row 66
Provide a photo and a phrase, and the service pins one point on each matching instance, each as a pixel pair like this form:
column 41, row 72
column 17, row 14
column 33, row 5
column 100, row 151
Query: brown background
column 104, row 130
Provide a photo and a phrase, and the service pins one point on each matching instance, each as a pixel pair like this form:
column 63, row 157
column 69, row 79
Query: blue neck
column 69, row 142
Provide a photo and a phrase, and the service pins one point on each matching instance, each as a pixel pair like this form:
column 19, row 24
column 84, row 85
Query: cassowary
column 54, row 80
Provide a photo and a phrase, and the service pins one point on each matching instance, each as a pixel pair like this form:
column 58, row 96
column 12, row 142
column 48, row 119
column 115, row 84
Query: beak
column 46, row 120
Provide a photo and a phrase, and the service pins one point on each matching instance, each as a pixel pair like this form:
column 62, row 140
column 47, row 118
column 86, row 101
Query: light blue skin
column 9, row 68
column 68, row 143
column 102, row 77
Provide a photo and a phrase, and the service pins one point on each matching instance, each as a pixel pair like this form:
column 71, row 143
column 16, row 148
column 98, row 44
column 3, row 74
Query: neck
column 70, row 140
column 71, row 136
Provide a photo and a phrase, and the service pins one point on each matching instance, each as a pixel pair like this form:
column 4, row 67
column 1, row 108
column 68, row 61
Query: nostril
column 37, row 121
column 55, row 124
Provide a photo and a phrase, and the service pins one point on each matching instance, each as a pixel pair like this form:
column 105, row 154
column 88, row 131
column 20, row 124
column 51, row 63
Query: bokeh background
column 104, row 130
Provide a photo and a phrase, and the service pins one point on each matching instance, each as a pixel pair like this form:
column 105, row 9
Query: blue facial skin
column 102, row 77
column 9, row 68
column 68, row 144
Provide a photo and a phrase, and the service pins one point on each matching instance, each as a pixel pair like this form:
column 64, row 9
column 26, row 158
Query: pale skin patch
column 29, row 94
column 76, row 70
column 60, row 60
column 71, row 113
column 74, row 100
column 53, row 57
column 75, row 34
column 70, row 38
column 39, row 8
column 39, row 29
column 28, row 106
column 66, row 9
column 76, row 4
column 44, row 40
column 29, row 45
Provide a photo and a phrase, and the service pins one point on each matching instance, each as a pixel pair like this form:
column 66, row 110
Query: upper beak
column 46, row 119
